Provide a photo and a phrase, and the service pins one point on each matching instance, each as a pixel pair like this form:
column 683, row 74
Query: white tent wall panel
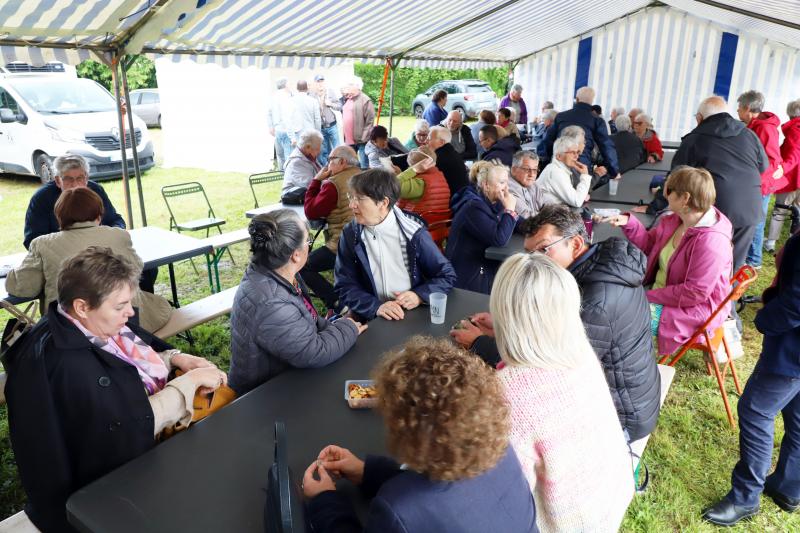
column 664, row 61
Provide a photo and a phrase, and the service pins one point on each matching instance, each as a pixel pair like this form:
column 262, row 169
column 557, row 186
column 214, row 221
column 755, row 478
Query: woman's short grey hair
column 440, row 132
column 565, row 143
column 548, row 105
column 793, row 109
column 422, row 125
column 275, row 236
column 309, row 139
column 550, row 114
column 517, row 88
column 356, row 82
column 92, row 275
column 647, row 119
column 536, row 308
column 753, row 101
column 623, row 122
column 281, row 83
column 618, row 110
column 65, row 163
column 521, row 155
column 576, row 132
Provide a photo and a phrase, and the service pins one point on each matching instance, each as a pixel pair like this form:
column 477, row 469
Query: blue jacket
column 477, row 225
column 503, row 150
column 428, row 269
column 405, row 501
column 779, row 319
column 596, row 133
column 40, row 219
column 434, row 114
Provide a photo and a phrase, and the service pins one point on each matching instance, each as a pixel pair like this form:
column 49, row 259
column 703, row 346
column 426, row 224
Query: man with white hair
column 71, row 171
column 358, row 115
column 448, row 160
column 522, row 186
column 514, row 100
column 279, row 120
column 735, row 157
column 461, row 136
column 301, row 167
column 615, row 112
column 556, row 181
column 595, row 128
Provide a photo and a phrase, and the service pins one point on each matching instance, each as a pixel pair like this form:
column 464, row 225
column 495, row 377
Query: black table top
column 633, row 189
column 213, row 476
column 661, row 166
column 157, row 246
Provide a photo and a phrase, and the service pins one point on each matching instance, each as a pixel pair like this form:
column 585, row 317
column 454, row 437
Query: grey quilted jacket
column 271, row 328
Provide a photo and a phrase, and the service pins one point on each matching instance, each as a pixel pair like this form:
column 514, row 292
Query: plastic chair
column 260, row 179
column 198, row 224
column 709, row 344
column 439, row 223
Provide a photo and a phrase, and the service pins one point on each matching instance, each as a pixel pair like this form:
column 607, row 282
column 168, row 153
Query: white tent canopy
column 447, row 32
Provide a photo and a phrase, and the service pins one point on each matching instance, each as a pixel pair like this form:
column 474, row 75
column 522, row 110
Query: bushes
column 409, row 82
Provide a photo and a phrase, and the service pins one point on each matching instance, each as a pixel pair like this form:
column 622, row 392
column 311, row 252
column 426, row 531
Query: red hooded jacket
column 765, row 126
column 790, row 153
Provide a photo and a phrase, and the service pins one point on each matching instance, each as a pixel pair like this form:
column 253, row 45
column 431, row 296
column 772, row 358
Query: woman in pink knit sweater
column 563, row 424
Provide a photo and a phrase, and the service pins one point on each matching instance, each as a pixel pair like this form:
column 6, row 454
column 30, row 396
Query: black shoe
column 786, row 503
column 725, row 513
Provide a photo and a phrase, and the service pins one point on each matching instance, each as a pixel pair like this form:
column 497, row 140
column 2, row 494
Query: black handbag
column 294, row 196
column 283, row 511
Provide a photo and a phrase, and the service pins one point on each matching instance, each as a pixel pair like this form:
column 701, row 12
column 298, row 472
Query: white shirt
column 280, row 112
column 556, row 184
column 306, row 115
column 385, row 244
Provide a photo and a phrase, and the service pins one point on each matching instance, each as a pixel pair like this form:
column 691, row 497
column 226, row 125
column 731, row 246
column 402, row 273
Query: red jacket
column 765, row 126
column 653, row 146
column 790, row 152
column 435, row 198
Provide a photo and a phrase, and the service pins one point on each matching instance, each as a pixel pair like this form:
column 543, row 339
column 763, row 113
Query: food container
column 606, row 213
column 359, row 403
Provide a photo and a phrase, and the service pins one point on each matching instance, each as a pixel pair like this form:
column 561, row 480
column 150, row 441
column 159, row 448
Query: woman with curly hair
column 447, row 422
column 564, row 426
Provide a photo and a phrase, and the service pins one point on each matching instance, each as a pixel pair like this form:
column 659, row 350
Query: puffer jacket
column 766, row 126
column 428, row 270
column 271, row 329
column 790, row 153
column 477, row 225
column 435, row 197
column 616, row 315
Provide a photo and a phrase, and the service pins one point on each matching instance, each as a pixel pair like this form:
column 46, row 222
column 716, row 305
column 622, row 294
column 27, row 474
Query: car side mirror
column 6, row 115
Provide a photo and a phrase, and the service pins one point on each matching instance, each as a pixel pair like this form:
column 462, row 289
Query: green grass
column 690, row 455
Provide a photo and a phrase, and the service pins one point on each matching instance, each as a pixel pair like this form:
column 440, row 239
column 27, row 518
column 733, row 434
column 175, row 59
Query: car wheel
column 43, row 167
column 463, row 113
column 159, row 120
column 418, row 110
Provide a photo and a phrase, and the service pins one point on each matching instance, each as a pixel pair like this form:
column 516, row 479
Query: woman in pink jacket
column 689, row 258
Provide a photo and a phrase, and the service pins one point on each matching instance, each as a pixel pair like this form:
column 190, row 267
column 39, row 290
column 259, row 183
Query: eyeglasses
column 638, row 122
column 70, row 179
column 421, row 135
column 529, row 170
column 335, row 158
column 355, row 198
column 545, row 249
column 573, row 152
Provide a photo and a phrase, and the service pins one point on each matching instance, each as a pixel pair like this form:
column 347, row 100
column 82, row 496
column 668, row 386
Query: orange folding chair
column 439, row 223
column 708, row 342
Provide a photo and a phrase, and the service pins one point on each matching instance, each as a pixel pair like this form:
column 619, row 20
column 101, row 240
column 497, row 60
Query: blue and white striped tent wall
column 549, row 75
column 664, row 61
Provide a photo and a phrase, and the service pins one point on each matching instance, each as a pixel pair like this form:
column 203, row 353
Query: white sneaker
column 769, row 246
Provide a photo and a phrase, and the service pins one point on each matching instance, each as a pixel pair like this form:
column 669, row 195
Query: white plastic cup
column 613, row 185
column 438, row 302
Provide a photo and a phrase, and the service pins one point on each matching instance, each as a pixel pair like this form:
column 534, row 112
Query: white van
column 46, row 115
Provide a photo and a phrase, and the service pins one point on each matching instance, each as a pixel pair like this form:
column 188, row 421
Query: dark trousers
column 320, row 260
column 764, row 396
column 742, row 237
column 147, row 281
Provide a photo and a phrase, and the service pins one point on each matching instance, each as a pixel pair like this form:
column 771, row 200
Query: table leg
column 174, row 286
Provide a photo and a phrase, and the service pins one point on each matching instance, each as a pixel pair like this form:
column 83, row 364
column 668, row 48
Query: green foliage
column 141, row 74
column 409, row 82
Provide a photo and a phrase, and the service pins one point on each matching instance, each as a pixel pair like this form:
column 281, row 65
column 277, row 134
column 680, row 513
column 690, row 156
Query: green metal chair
column 260, row 179
column 195, row 189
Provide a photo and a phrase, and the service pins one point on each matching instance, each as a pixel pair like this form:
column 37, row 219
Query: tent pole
column 391, row 98
column 126, row 186
column 132, row 131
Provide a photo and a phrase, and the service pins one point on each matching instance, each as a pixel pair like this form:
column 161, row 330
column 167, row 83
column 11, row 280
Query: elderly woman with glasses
column 556, row 181
column 88, row 390
column 643, row 128
column 387, row 262
column 273, row 323
column 419, row 137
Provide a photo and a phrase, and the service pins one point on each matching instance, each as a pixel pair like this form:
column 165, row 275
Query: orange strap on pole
column 383, row 88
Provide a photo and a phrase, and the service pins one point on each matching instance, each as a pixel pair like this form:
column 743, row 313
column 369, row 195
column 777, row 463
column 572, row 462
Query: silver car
column 146, row 105
column 470, row 97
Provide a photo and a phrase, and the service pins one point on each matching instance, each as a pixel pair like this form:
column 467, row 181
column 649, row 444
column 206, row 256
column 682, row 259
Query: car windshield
column 64, row 96
column 478, row 89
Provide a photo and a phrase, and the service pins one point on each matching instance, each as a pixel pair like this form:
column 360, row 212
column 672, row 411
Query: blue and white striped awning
column 443, row 33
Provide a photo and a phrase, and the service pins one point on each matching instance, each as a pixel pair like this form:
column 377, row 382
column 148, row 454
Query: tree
column 141, row 74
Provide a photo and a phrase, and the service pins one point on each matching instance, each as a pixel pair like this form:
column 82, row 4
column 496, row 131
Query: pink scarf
column 128, row 347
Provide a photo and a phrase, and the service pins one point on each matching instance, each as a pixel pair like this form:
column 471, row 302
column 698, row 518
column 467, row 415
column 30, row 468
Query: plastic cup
column 613, row 185
column 438, row 303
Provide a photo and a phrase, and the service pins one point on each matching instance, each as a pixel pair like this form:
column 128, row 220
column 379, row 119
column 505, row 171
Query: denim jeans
column 764, row 396
column 283, row 147
column 757, row 246
column 363, row 161
column 330, row 140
